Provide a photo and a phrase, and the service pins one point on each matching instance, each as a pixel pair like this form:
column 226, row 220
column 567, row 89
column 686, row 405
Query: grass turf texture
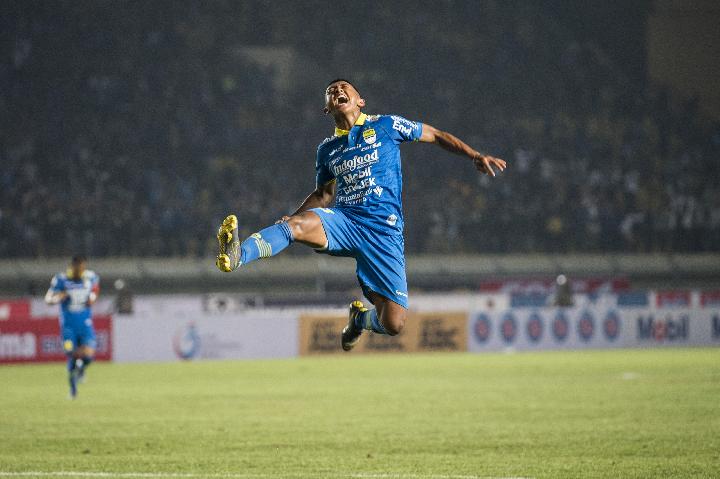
column 651, row 413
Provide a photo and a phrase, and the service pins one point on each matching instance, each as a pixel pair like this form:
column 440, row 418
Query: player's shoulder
column 327, row 147
column 385, row 117
column 329, row 141
column 374, row 118
column 390, row 120
column 90, row 275
column 325, row 142
column 378, row 119
column 58, row 279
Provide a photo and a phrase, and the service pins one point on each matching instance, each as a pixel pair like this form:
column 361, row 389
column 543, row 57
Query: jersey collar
column 358, row 122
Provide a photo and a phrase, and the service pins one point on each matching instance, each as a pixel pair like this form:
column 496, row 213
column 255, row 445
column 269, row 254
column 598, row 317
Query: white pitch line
column 185, row 475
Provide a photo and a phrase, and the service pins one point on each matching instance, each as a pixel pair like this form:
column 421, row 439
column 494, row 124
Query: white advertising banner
column 191, row 336
column 424, row 302
column 598, row 326
column 673, row 327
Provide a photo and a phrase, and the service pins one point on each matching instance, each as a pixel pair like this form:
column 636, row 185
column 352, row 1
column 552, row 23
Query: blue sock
column 86, row 360
column 72, row 379
column 267, row 242
column 369, row 320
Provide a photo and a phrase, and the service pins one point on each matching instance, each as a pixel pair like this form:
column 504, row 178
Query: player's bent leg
column 266, row 242
column 69, row 349
column 387, row 318
column 391, row 315
column 228, row 258
column 84, row 356
column 305, row 228
column 359, row 319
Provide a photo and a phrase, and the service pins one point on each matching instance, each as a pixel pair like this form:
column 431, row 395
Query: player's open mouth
column 341, row 100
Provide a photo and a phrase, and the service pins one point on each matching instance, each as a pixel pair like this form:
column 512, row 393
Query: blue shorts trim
column 380, row 259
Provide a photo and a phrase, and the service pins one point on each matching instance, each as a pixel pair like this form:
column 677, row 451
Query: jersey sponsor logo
column 353, row 177
column 391, row 220
column 369, row 147
column 400, row 293
column 369, row 136
column 357, row 161
column 79, row 296
column 402, row 125
column 353, row 199
column 362, row 185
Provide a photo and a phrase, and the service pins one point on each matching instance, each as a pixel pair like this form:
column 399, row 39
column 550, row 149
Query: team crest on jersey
column 369, row 136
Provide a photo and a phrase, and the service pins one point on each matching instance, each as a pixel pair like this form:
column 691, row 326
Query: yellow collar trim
column 358, row 122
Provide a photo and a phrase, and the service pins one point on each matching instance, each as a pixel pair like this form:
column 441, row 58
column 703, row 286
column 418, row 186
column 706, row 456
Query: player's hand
column 485, row 164
column 282, row 220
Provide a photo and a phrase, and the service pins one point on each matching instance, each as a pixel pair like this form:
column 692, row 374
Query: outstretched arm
column 322, row 197
column 54, row 297
column 451, row 143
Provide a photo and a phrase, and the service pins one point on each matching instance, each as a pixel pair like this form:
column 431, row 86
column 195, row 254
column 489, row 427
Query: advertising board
column 199, row 335
column 38, row 340
column 423, row 332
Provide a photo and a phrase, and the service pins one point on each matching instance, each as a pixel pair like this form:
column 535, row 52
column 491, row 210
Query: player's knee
column 394, row 324
column 298, row 227
column 304, row 226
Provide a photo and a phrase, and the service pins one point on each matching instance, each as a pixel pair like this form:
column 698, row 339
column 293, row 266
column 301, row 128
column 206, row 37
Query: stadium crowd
column 135, row 135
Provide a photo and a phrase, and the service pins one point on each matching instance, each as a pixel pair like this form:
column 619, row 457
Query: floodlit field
column 546, row 415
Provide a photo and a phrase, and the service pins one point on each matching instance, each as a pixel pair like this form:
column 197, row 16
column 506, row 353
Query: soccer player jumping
column 76, row 291
column 358, row 168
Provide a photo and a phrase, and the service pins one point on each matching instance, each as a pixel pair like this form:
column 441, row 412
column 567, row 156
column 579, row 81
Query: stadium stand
column 120, row 99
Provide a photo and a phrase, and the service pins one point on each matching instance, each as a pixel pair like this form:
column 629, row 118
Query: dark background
column 133, row 128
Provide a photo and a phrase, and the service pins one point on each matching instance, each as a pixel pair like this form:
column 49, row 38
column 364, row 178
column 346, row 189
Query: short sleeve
column 56, row 284
column 401, row 129
column 322, row 173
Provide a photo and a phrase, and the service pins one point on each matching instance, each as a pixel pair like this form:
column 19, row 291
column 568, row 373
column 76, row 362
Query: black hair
column 342, row 79
column 78, row 258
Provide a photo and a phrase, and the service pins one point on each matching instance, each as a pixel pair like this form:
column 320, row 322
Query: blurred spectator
column 135, row 134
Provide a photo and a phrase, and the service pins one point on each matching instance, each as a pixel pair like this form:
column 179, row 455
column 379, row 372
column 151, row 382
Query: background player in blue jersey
column 76, row 290
column 358, row 169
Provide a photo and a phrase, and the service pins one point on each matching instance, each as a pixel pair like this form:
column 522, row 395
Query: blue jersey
column 365, row 164
column 75, row 309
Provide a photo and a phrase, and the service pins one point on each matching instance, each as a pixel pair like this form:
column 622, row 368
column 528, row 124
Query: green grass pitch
column 650, row 413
